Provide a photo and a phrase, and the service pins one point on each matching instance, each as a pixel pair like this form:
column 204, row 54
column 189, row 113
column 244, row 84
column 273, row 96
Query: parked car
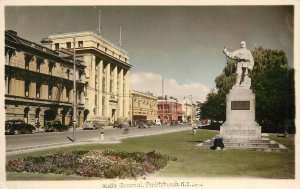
column 52, row 126
column 92, row 124
column 143, row 123
column 18, row 127
column 120, row 123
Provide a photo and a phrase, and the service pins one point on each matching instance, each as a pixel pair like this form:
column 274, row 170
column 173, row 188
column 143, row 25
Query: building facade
column 188, row 111
column 39, row 83
column 107, row 74
column 144, row 106
column 169, row 110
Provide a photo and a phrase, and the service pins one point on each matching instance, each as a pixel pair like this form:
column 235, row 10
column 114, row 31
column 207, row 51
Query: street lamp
column 74, row 91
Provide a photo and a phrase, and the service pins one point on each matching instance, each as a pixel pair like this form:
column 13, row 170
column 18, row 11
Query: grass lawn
column 191, row 161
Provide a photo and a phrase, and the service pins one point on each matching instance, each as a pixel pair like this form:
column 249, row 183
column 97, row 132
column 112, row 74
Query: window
column 103, row 84
column 50, row 87
column 68, row 94
column 80, row 43
column 96, row 82
column 51, row 65
column 8, row 55
column 56, row 46
column 38, row 90
column 27, row 85
column 39, row 61
column 96, row 97
column 38, row 67
column 28, row 59
column 85, row 91
column 80, row 74
column 68, row 73
column 111, row 86
column 68, row 45
column 80, row 97
column 8, row 85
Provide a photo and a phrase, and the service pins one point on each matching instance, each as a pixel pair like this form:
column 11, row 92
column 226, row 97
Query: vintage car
column 15, row 127
column 53, row 126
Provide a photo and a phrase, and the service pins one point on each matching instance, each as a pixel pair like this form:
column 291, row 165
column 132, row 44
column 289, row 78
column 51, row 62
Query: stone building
column 169, row 109
column 144, row 106
column 188, row 110
column 107, row 74
column 39, row 82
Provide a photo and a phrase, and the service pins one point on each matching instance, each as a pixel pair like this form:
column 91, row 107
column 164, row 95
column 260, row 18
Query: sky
column 182, row 44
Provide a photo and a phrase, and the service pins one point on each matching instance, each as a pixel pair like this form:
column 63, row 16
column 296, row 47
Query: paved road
column 29, row 142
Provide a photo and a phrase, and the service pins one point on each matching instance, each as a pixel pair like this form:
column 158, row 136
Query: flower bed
column 95, row 163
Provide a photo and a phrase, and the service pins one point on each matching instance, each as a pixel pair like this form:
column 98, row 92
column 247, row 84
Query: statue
column 245, row 64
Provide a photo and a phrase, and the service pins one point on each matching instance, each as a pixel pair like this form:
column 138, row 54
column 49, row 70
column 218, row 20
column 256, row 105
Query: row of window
column 39, row 61
column 68, row 45
column 38, row 90
column 80, row 44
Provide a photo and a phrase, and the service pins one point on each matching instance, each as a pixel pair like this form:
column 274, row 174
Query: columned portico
column 107, row 74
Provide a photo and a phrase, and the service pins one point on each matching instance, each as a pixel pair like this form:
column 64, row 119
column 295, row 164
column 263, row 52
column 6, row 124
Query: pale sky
column 181, row 43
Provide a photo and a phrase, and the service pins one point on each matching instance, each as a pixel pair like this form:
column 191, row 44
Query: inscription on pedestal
column 247, row 133
column 240, row 105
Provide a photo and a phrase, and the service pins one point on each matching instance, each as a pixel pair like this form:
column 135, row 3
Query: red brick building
column 169, row 109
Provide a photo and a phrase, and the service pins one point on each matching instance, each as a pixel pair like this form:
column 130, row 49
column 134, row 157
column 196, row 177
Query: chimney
column 46, row 42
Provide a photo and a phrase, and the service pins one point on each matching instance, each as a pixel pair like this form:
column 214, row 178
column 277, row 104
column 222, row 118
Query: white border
column 208, row 183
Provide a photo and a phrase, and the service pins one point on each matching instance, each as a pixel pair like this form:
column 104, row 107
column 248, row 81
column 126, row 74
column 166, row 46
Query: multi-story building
column 144, row 106
column 169, row 109
column 39, row 82
column 188, row 110
column 107, row 74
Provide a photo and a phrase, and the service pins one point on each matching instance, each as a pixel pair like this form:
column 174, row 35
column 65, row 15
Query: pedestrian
column 218, row 143
column 194, row 130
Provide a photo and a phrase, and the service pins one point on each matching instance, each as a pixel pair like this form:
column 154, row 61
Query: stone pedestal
column 240, row 116
column 240, row 131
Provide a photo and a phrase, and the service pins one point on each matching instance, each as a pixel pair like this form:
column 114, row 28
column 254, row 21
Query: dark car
column 92, row 125
column 18, row 127
column 143, row 124
column 53, row 126
column 120, row 124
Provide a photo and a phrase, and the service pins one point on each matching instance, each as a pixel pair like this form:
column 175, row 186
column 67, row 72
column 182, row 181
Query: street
column 25, row 142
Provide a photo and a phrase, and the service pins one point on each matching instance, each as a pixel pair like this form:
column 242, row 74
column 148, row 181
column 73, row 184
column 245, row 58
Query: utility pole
column 185, row 110
column 176, row 110
column 192, row 110
column 166, row 107
column 74, row 92
column 162, row 89
column 99, row 22
column 120, row 41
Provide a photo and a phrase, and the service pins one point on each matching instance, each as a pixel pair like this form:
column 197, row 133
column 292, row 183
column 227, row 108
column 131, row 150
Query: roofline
column 100, row 37
column 53, row 52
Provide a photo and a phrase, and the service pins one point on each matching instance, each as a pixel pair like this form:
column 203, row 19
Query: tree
column 274, row 86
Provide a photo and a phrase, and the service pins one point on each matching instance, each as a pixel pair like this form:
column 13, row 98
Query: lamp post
column 176, row 113
column 166, row 107
column 74, row 92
